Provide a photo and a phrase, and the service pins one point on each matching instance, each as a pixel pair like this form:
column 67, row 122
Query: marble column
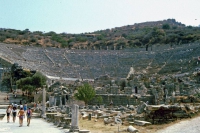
column 55, row 99
column 50, row 101
column 60, row 97
column 44, row 101
column 67, row 110
column 75, row 116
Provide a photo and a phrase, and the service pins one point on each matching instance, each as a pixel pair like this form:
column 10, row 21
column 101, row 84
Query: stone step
column 4, row 103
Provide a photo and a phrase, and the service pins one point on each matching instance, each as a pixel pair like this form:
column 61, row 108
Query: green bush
column 2, row 38
column 166, row 26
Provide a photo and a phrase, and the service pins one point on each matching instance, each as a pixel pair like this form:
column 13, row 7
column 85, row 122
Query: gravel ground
column 185, row 126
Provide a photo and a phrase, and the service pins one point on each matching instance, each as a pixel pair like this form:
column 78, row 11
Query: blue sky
column 80, row 16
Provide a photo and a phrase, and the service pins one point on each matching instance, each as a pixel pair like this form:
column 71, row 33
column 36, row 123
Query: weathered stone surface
column 84, row 131
column 131, row 129
column 141, row 123
column 75, row 118
column 108, row 120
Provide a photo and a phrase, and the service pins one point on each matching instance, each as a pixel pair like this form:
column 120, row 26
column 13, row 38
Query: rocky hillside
column 138, row 35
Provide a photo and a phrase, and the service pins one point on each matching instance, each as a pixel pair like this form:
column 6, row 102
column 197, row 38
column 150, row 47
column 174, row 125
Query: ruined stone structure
column 134, row 85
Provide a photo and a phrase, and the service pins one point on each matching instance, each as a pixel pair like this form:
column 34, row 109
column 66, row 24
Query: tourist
column 34, row 105
column 25, row 108
column 21, row 106
column 8, row 111
column 7, row 97
column 21, row 116
column 29, row 114
column 14, row 113
column 15, row 105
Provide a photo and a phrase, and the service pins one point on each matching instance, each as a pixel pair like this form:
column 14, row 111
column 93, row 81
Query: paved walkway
column 37, row 125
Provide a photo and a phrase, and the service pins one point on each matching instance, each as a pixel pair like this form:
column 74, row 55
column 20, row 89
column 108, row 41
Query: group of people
column 23, row 111
column 6, row 98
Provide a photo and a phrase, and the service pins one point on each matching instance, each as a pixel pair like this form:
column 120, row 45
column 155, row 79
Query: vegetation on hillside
column 138, row 35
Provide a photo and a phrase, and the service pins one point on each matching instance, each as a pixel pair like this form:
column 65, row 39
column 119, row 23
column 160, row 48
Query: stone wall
column 38, row 97
column 121, row 99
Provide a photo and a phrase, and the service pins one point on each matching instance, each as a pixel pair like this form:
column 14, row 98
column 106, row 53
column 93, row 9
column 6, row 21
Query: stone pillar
column 50, row 101
column 55, row 99
column 60, row 97
column 44, row 101
column 67, row 110
column 173, row 97
column 89, row 116
column 75, row 116
column 65, row 99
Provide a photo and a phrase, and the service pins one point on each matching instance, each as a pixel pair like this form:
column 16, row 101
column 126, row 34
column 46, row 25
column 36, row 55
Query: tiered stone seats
column 90, row 64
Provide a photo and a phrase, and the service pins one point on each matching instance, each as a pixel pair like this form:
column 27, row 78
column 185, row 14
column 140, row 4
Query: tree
column 99, row 99
column 17, row 72
column 31, row 83
column 38, row 80
column 166, row 26
column 6, row 82
column 85, row 93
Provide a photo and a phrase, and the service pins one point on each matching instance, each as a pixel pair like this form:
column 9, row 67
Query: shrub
column 166, row 26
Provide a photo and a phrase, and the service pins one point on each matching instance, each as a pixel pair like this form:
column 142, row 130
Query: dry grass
column 97, row 126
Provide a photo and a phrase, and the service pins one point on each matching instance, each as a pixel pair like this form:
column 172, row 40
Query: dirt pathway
column 185, row 126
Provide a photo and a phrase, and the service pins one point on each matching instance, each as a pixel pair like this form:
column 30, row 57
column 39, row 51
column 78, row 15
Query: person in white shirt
column 8, row 111
column 21, row 106
column 15, row 105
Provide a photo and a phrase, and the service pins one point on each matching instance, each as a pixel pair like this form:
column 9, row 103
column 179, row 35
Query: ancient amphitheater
column 68, row 64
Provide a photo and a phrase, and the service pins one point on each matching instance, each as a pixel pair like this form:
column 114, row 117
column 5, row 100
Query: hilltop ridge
column 138, row 35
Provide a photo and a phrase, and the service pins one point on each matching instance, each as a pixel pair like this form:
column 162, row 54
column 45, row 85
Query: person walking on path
column 29, row 114
column 14, row 113
column 8, row 111
column 21, row 106
column 25, row 108
column 15, row 105
column 21, row 116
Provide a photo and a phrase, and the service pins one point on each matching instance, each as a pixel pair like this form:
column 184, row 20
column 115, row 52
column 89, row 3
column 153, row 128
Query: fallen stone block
column 131, row 129
column 108, row 121
column 141, row 123
column 84, row 131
